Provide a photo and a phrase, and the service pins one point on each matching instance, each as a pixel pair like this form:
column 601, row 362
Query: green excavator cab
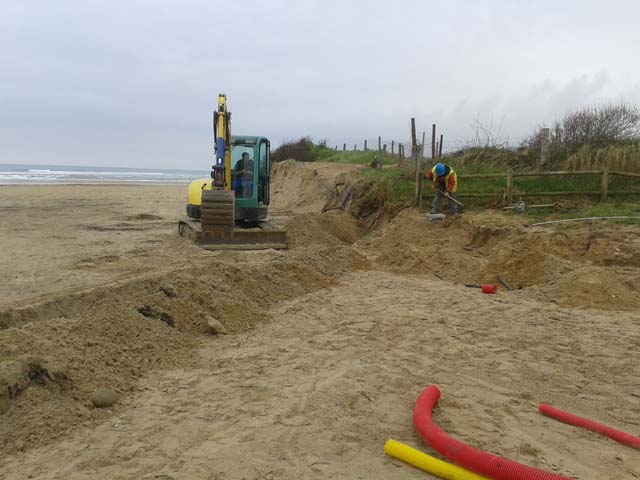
column 250, row 177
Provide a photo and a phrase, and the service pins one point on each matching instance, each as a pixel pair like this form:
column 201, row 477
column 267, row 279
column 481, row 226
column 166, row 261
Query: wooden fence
column 417, row 161
column 603, row 193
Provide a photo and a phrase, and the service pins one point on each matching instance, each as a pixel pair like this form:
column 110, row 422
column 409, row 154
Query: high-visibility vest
column 450, row 179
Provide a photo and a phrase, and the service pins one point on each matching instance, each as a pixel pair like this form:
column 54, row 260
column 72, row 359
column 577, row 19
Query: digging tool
column 504, row 283
column 449, row 197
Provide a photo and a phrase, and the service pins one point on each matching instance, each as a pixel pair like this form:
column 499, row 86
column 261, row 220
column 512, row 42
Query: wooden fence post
column 400, row 154
column 379, row 143
column 420, row 181
column 440, row 147
column 392, row 145
column 604, row 188
column 384, row 148
column 422, row 149
column 417, row 163
column 355, row 147
column 414, row 142
column 509, row 186
column 344, row 147
column 433, row 142
column 544, row 149
column 365, row 144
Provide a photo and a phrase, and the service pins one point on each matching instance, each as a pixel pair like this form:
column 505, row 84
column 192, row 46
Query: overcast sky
column 133, row 83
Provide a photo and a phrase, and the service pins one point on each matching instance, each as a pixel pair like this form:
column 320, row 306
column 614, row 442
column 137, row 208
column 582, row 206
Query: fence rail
column 625, row 174
column 603, row 193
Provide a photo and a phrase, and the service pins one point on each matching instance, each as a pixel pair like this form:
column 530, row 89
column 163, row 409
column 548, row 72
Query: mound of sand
column 411, row 244
column 328, row 228
column 305, row 187
column 593, row 288
column 75, row 356
column 108, row 337
column 568, row 266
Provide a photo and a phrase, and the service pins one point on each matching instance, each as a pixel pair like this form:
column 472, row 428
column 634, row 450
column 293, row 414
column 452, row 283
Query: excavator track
column 217, row 214
column 217, row 230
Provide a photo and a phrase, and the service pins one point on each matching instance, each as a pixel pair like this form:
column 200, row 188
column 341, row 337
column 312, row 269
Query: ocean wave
column 50, row 181
column 93, row 173
column 47, row 174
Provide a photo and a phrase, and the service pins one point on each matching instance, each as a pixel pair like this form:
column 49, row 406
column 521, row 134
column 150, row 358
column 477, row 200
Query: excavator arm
column 221, row 170
column 217, row 206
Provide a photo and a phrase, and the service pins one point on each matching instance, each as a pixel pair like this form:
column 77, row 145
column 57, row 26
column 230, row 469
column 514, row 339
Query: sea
column 60, row 174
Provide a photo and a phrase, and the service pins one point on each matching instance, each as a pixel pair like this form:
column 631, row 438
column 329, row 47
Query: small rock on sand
column 169, row 291
column 103, row 398
column 4, row 406
column 215, row 327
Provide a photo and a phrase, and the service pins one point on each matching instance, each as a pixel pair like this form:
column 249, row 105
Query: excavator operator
column 243, row 177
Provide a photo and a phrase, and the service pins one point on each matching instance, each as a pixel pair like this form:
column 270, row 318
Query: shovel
column 449, row 197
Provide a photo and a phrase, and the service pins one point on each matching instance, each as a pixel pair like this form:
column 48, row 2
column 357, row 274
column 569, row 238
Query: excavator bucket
column 217, row 214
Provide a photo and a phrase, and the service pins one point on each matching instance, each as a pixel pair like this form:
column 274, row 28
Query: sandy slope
column 332, row 341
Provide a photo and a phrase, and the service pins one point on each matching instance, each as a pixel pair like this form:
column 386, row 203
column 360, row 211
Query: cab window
column 263, row 180
column 242, row 169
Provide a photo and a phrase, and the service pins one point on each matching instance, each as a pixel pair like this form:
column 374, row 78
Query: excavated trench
column 56, row 353
column 587, row 266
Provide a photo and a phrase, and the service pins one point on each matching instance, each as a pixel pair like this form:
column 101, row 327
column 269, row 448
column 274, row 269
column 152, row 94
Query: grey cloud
column 134, row 83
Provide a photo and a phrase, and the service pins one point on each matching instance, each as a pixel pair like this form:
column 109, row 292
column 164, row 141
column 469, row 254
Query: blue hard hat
column 439, row 169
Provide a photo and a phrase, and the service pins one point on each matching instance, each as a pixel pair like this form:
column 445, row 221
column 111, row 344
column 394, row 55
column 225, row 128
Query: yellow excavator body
column 194, row 194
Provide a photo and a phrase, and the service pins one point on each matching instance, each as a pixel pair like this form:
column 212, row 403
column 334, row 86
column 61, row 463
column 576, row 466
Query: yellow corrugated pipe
column 428, row 463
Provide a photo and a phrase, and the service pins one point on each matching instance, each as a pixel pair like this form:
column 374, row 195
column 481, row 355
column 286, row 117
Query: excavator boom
column 221, row 173
column 217, row 218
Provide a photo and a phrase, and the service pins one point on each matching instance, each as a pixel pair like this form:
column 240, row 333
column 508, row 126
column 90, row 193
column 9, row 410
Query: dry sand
column 66, row 237
column 330, row 343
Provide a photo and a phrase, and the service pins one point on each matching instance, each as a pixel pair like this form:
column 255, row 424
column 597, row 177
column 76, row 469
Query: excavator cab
column 250, row 169
column 250, row 176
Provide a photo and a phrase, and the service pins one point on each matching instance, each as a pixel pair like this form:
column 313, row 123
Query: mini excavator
column 229, row 210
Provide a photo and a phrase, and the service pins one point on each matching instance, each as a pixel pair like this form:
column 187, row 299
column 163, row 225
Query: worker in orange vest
column 445, row 183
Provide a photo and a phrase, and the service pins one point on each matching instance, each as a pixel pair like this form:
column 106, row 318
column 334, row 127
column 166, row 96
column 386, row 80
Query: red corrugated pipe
column 477, row 461
column 612, row 433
